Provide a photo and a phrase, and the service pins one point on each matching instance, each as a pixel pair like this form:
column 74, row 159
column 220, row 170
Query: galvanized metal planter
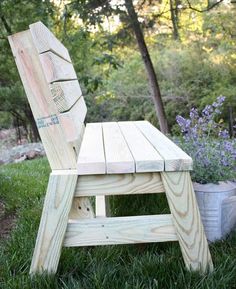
column 217, row 205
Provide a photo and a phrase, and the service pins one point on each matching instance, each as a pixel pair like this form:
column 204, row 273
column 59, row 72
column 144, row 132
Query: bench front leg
column 53, row 224
column 187, row 220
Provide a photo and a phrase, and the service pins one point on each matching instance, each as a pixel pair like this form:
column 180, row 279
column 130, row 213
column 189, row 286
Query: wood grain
column 187, row 221
column 91, row 159
column 65, row 94
column 102, row 208
column 119, row 184
column 44, row 40
column 60, row 155
column 81, row 209
column 72, row 122
column 175, row 159
column 120, row 230
column 146, row 158
column 56, row 68
column 53, row 223
column 117, row 154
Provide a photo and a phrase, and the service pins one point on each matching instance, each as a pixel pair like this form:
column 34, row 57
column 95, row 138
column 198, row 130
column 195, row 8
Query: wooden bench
column 101, row 159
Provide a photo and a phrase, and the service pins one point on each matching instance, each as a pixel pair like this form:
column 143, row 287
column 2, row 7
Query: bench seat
column 128, row 147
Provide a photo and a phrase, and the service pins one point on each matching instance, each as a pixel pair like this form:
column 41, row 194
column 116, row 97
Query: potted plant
column 214, row 167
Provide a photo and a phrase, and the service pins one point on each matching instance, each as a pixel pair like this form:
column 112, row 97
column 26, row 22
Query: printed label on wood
column 47, row 121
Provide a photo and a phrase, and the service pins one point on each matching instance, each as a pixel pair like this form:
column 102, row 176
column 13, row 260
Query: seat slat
column 65, row 94
column 147, row 159
column 120, row 230
column 91, row 158
column 117, row 154
column 56, row 68
column 44, row 40
column 175, row 158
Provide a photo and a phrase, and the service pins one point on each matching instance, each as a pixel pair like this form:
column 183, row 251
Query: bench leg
column 81, row 209
column 102, row 206
column 187, row 221
column 53, row 223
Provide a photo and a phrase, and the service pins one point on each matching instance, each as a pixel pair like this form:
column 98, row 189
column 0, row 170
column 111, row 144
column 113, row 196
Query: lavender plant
column 209, row 144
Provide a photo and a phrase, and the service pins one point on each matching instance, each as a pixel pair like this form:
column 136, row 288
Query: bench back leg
column 187, row 221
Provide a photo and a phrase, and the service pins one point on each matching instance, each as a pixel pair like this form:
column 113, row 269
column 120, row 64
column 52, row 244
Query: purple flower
column 221, row 99
column 207, row 110
column 223, row 134
column 193, row 113
column 209, row 144
column 183, row 123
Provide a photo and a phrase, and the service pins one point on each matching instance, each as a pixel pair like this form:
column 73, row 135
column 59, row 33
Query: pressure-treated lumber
column 53, row 223
column 65, row 94
column 102, row 207
column 72, row 123
column 186, row 220
column 147, row 159
column 119, row 184
column 59, row 153
column 44, row 40
column 56, row 68
column 81, row 209
column 175, row 159
column 120, row 230
column 91, row 158
column 113, row 159
column 118, row 156
column 77, row 112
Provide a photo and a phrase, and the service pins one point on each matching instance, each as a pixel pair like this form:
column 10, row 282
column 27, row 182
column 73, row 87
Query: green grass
column 22, row 188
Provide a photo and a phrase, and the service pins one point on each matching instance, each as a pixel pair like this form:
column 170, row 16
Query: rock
column 20, row 153
column 20, row 159
column 32, row 154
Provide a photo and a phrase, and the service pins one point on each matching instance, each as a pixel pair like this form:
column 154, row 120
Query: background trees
column 191, row 44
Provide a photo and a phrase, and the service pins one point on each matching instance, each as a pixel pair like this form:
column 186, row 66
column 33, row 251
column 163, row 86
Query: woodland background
column 192, row 45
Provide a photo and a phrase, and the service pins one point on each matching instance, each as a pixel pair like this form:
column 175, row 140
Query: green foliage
column 132, row 266
column 107, row 107
column 16, row 16
column 188, row 77
column 5, row 119
column 190, row 73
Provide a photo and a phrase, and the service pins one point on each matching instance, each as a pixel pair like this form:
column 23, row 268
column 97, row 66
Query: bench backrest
column 53, row 92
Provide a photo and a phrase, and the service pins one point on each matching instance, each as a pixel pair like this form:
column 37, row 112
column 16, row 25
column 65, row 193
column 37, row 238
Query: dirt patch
column 7, row 222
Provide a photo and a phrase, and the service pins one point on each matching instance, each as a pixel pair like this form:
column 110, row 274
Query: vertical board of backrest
column 59, row 153
column 65, row 94
column 62, row 80
column 45, row 40
column 72, row 122
column 56, row 68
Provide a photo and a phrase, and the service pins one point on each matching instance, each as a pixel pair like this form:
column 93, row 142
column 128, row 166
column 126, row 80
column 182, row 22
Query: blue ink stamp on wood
column 47, row 121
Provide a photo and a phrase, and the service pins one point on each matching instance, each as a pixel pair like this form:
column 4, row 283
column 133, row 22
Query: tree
column 12, row 96
column 94, row 12
column 154, row 86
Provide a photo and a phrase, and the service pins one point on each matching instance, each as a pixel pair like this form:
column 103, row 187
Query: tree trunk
column 155, row 89
column 35, row 134
column 174, row 19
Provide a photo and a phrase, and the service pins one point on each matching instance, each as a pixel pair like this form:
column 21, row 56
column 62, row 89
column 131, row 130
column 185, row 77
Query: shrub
column 209, row 144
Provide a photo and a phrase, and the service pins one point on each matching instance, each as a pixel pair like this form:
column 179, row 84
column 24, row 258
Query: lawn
column 22, row 188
